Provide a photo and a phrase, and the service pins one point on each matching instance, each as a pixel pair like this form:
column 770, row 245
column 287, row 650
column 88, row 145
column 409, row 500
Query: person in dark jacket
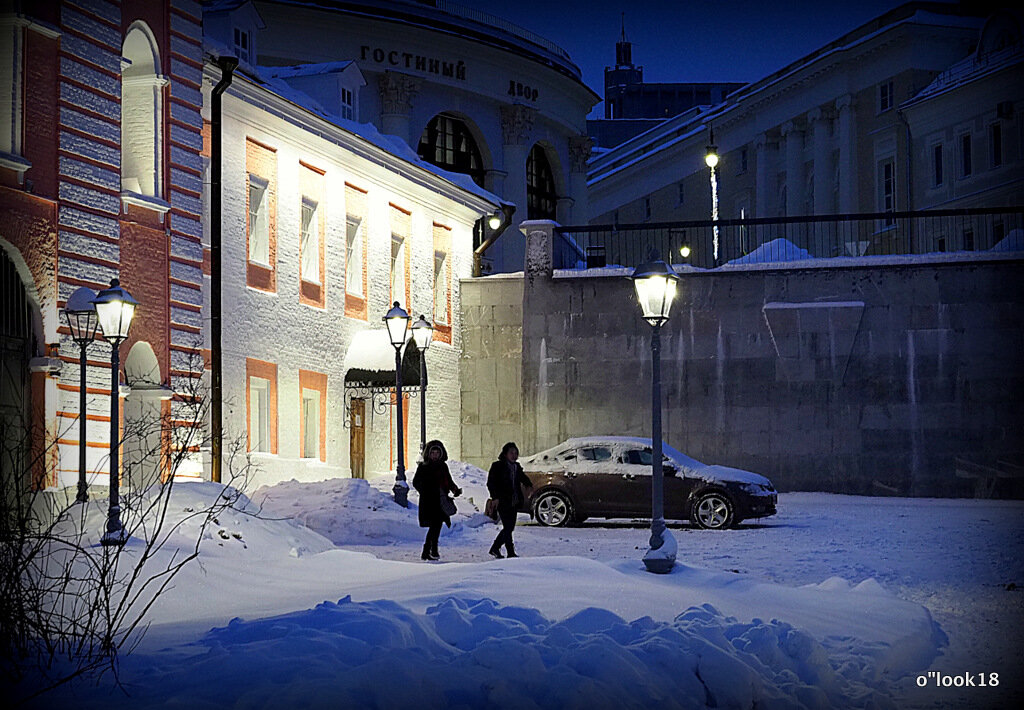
column 432, row 480
column 506, row 483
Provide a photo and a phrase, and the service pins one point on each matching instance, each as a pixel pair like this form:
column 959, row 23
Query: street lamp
column 114, row 309
column 80, row 314
column 655, row 284
column 422, row 334
column 397, row 321
column 711, row 159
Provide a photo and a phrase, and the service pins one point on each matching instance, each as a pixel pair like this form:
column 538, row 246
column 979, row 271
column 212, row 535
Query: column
column 819, row 122
column 764, row 197
column 396, row 95
column 794, row 138
column 846, row 138
column 516, row 125
column 579, row 152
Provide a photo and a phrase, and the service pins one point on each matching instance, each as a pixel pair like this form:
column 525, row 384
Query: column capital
column 516, row 123
column 579, row 152
column 396, row 92
column 790, row 127
column 819, row 114
column 844, row 102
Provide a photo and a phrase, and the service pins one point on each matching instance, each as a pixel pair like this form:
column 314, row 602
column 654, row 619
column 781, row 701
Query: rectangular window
column 937, row 165
column 440, row 287
column 885, row 96
column 259, row 414
column 401, row 222
column 887, row 189
column 647, row 208
column 680, row 193
column 354, row 256
column 310, row 424
column 259, row 221
column 998, row 232
column 995, row 143
column 743, row 160
column 965, row 155
column 309, row 246
column 397, row 269
column 11, row 89
column 969, row 239
column 940, row 244
column 242, row 47
column 346, row 104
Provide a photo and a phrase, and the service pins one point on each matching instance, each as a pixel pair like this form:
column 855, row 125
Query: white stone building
column 326, row 222
column 467, row 91
column 851, row 128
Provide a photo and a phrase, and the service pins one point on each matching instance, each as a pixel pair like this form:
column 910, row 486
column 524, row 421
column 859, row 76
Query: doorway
column 357, row 438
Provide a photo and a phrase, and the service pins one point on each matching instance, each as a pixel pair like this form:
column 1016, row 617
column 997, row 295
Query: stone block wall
column 866, row 379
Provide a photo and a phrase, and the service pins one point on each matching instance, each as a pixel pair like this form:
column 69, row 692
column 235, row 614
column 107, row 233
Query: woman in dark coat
column 433, row 480
column 506, row 482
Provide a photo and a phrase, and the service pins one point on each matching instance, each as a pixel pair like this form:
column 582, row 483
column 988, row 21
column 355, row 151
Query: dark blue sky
column 688, row 40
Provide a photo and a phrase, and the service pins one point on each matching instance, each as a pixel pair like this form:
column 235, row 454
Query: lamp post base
column 401, row 491
column 114, row 538
column 661, row 560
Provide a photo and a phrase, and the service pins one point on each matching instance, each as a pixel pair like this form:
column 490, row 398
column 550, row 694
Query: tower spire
column 623, row 48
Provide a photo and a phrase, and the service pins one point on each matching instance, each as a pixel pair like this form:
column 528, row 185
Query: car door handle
column 570, row 474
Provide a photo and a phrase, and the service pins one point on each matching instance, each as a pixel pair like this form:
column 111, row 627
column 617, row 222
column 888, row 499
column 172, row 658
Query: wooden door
column 357, row 438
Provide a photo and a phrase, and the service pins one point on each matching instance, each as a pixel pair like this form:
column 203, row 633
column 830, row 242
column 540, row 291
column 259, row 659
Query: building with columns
column 854, row 127
column 468, row 92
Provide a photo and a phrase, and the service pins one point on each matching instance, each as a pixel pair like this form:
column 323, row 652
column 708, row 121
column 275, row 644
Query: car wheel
column 553, row 509
column 713, row 511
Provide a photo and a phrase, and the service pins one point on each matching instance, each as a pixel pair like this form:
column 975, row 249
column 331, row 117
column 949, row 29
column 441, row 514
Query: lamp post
column 422, row 334
column 80, row 314
column 114, row 309
column 655, row 284
column 397, row 321
column 711, row 160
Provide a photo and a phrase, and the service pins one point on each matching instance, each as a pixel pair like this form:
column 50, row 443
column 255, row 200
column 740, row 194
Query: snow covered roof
column 307, row 69
column 367, row 132
column 971, row 69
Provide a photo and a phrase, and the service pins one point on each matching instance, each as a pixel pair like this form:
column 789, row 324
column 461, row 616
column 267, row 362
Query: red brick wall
column 143, row 273
column 40, row 114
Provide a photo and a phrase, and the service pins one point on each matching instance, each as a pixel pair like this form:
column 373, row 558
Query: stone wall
column 490, row 369
column 868, row 379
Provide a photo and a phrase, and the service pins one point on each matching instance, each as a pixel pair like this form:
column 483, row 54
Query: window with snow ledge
column 309, row 247
column 259, row 221
column 243, row 45
column 142, row 90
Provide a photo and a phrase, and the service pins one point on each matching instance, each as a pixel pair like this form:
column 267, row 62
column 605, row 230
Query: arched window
column 141, row 113
column 541, row 198
column 447, row 143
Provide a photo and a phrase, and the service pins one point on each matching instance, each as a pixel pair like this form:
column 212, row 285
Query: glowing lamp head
column 494, row 221
column 115, row 308
column 80, row 315
column 684, row 251
column 397, row 321
column 655, row 284
column 711, row 156
column 422, row 333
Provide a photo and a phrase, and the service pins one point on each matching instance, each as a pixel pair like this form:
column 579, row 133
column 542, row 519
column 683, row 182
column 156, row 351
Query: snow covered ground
column 838, row 601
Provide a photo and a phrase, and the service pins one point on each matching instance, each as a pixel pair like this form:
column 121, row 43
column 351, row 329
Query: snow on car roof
column 692, row 466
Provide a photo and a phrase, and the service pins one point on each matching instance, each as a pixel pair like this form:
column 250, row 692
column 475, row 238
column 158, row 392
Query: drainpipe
column 910, row 176
column 227, row 67
column 507, row 210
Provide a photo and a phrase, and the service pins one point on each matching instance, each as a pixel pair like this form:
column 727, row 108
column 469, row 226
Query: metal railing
column 781, row 239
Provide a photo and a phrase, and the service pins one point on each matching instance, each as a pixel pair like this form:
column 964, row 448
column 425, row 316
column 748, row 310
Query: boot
column 495, row 551
column 511, row 550
column 425, row 556
column 433, row 551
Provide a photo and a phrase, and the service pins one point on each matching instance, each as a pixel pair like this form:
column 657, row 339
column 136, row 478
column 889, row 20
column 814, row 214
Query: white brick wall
column 277, row 328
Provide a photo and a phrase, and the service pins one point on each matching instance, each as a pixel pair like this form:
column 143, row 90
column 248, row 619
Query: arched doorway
column 448, row 143
column 17, row 340
column 541, row 194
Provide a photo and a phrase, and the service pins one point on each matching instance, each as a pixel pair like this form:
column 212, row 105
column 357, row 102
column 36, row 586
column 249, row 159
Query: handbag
column 447, row 504
column 491, row 508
